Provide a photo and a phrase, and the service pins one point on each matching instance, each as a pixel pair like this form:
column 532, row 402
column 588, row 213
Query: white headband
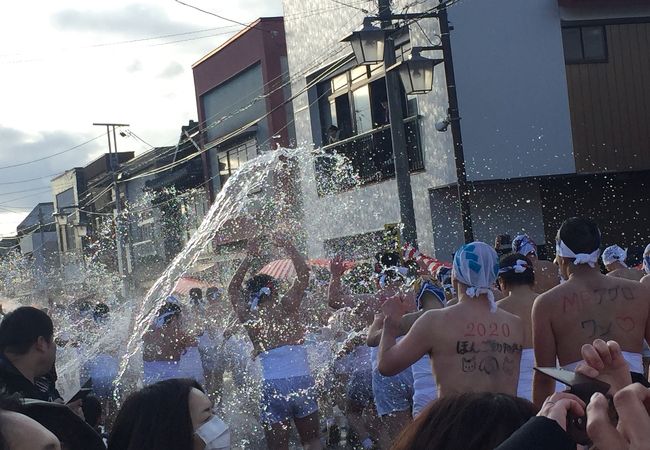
column 519, row 267
column 580, row 258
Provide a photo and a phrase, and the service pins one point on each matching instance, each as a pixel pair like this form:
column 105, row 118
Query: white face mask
column 215, row 433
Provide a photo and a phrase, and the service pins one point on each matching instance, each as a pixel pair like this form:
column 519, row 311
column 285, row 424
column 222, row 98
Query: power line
column 222, row 17
column 131, row 41
column 363, row 10
column 53, row 154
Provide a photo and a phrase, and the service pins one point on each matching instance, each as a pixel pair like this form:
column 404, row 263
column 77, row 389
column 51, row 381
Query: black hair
column 172, row 308
column 388, row 259
column 196, row 294
column 92, row 409
column 101, row 310
column 511, row 277
column 212, row 293
column 580, row 235
column 259, row 281
column 21, row 328
column 156, row 417
column 446, row 423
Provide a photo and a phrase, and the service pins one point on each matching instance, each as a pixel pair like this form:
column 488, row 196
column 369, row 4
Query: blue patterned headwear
column 476, row 265
column 428, row 286
column 646, row 259
column 524, row 244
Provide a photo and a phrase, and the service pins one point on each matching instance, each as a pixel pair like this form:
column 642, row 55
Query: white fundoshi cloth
column 614, row 253
column 476, row 265
column 581, row 258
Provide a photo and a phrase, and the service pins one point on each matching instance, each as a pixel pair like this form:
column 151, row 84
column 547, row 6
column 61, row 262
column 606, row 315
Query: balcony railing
column 365, row 158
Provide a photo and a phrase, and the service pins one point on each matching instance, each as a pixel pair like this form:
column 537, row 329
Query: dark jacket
column 539, row 433
column 14, row 382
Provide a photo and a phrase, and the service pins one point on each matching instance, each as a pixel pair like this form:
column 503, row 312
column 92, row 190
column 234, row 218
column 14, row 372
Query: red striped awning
column 184, row 284
column 282, row 269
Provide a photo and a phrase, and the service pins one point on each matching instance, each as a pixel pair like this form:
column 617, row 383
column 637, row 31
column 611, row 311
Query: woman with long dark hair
column 169, row 415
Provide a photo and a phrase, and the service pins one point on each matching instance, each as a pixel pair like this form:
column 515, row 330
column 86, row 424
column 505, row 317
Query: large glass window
column 584, row 44
column 230, row 160
column 362, row 109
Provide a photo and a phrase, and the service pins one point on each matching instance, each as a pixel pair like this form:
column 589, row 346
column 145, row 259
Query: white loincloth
column 634, row 360
column 425, row 389
column 525, row 388
column 285, row 362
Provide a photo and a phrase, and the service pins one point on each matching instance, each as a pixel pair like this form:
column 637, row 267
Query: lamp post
column 416, row 74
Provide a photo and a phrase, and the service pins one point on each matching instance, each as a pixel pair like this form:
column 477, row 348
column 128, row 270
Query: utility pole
column 398, row 138
column 115, row 165
column 454, row 120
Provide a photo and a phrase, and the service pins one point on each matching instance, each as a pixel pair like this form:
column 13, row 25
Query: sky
column 66, row 64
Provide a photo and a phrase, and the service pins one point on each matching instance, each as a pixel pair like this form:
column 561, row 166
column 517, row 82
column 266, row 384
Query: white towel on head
column 614, row 253
column 476, row 265
column 580, row 258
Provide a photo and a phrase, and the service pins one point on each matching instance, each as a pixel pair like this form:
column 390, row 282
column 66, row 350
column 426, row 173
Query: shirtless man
column 426, row 296
column 275, row 328
column 614, row 260
column 546, row 276
column 164, row 346
column 516, row 279
column 589, row 305
column 474, row 345
column 392, row 395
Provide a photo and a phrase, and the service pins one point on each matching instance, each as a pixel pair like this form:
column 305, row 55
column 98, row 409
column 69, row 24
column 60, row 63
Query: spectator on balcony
column 385, row 120
column 332, row 134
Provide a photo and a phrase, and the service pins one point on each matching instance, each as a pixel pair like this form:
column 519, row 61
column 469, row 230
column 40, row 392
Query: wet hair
column 580, row 235
column 101, row 311
column 92, row 409
column 259, row 281
column 469, row 421
column 156, row 417
column 196, row 294
column 212, row 293
column 21, row 328
column 511, row 277
column 168, row 311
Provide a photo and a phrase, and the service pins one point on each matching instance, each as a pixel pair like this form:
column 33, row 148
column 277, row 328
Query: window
column 231, row 159
column 584, row 44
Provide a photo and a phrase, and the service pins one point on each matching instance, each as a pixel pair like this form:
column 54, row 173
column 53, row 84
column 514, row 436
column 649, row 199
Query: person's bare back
column 588, row 306
column 474, row 345
column 521, row 305
column 628, row 273
column 593, row 307
column 546, row 276
column 475, row 350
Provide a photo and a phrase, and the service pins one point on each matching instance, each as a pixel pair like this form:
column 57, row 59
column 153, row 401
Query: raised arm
column 296, row 292
column 395, row 356
column 336, row 297
column 545, row 350
column 235, row 294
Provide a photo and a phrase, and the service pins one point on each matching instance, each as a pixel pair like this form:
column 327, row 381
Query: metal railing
column 366, row 158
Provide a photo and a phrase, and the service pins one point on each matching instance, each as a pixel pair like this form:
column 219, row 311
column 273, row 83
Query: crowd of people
column 435, row 356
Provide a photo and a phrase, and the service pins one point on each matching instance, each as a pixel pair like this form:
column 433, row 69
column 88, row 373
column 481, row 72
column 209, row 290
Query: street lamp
column 367, row 43
column 416, row 72
column 417, row 77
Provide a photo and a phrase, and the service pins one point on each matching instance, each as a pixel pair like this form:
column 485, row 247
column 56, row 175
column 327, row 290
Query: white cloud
column 67, row 80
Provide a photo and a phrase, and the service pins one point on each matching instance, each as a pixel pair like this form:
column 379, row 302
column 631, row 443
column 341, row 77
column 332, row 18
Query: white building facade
column 509, row 61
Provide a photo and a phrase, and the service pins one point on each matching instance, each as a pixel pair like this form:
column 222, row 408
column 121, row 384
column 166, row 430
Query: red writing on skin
column 473, row 329
column 625, row 323
column 576, row 301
